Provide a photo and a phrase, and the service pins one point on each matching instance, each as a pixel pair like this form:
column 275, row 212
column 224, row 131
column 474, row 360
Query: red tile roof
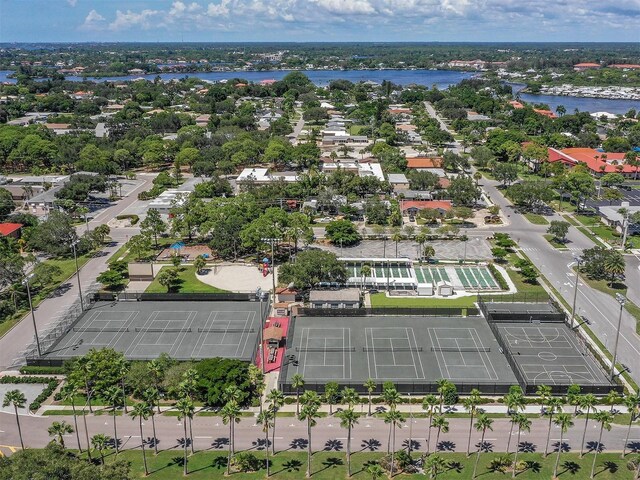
column 424, row 162
column 545, row 113
column 592, row 159
column 630, row 66
column 515, row 104
column 424, row 204
column 9, row 228
column 587, row 65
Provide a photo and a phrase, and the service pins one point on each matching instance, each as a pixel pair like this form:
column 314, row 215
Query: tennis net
column 460, row 349
column 162, row 330
column 392, row 349
column 226, row 330
column 98, row 329
column 325, row 349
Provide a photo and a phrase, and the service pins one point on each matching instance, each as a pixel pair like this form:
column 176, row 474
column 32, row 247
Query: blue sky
column 319, row 20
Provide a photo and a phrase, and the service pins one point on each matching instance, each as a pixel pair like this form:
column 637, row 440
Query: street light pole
column 75, row 257
column 261, row 347
column 33, row 315
column 621, row 300
column 575, row 292
column 272, row 241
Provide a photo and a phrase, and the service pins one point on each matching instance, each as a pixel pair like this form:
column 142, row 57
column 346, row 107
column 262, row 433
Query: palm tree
column 113, row 395
column 564, row 422
column 514, row 401
column 331, row 394
column 375, row 471
column 604, row 418
column 483, row 423
column 612, row 399
column 59, row 429
column 99, row 442
column 151, row 397
column 267, row 418
column 69, row 393
column 397, row 237
column 428, row 252
column 614, row 265
column 443, row 386
column 297, row 382
column 429, row 404
column 185, row 409
column 544, row 394
column 348, row 418
column 370, row 385
column 256, row 378
column 309, row 412
column 434, row 465
column 441, row 423
column 587, row 402
column 632, row 402
column 142, row 411
column 230, row 414
column 156, row 371
column 350, row 396
column 554, row 405
column 123, row 369
column 365, row 271
column 18, row 400
column 391, row 397
column 393, row 418
column 471, row 404
column 275, row 398
column 523, row 424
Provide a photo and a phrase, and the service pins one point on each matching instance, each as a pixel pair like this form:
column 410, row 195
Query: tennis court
column 184, row 330
column 465, row 277
column 550, row 354
column 350, row 350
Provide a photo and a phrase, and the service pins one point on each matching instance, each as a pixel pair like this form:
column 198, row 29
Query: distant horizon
column 316, row 21
column 293, row 42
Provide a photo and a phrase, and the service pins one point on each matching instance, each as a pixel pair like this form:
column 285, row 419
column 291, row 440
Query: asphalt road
column 49, row 311
column 370, row 434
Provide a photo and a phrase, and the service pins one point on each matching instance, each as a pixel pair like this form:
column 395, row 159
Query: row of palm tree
column 308, row 410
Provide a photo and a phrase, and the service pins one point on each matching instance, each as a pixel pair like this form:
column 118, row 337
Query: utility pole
column 75, row 257
column 33, row 315
column 272, row 241
column 575, row 291
column 621, row 300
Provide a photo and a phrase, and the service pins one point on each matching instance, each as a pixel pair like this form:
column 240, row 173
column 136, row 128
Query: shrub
column 46, row 393
column 34, row 370
column 29, row 380
column 133, row 219
column 245, row 462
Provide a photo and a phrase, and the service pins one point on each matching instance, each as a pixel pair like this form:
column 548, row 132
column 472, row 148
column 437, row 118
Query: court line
column 415, row 343
column 446, row 366
column 433, row 334
column 366, row 342
column 245, row 328
column 192, row 317
column 477, row 341
column 200, row 342
column 415, row 367
column 250, row 319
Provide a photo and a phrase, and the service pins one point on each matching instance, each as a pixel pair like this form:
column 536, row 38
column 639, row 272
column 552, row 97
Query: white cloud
column 218, row 9
column 342, row 7
column 129, row 19
column 72, row 3
column 93, row 21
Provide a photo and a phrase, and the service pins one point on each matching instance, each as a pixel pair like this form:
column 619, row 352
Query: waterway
column 440, row 78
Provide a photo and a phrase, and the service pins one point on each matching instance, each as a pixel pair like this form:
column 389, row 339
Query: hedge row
column 30, row 380
column 46, row 393
column 133, row 219
column 502, row 283
column 35, row 370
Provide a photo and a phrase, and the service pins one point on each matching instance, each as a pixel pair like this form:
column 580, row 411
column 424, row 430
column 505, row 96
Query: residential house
column 610, row 215
column 398, row 181
column 413, row 207
column 581, row 67
column 364, row 168
column 10, row 229
column 598, row 163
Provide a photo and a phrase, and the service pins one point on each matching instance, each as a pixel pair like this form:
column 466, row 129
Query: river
column 441, row 78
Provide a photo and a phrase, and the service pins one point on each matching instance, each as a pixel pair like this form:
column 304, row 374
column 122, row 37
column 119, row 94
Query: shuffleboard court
column 184, row 330
column 550, row 354
column 403, row 349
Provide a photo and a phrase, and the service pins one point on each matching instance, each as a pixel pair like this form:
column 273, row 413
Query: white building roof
column 397, row 178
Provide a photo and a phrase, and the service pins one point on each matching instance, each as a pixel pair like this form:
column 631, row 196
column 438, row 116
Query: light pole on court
column 33, row 315
column 75, row 257
column 272, row 241
column 621, row 300
column 575, row 290
column 261, row 346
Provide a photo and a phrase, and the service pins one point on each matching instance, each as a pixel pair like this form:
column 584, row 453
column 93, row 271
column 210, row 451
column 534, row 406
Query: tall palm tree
column 397, row 237
column 391, row 397
column 371, row 386
column 156, row 371
column 69, row 393
column 256, row 378
column 151, row 397
column 185, row 409
column 393, row 418
column 348, row 418
column 564, row 422
column 443, row 386
column 441, row 423
column 587, row 402
column 365, row 272
column 604, row 418
column 554, row 405
column 87, row 371
column 514, row 401
column 58, row 430
column 99, row 442
column 113, row 395
column 543, row 392
column 350, row 396
column 615, row 266
column 483, row 423
column 331, row 394
column 632, row 402
column 267, row 418
column 471, row 404
column 523, row 424
column 297, row 382
column 612, row 399
column 17, row 399
column 123, row 370
column 309, row 412
column 275, row 399
column 429, row 404
column 142, row 411
column 230, row 414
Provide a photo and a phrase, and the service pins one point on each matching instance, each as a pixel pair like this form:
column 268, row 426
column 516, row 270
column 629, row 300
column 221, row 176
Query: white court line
column 477, row 341
column 415, row 342
column 415, row 367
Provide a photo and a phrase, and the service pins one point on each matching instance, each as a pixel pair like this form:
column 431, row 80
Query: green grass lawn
column 356, row 129
column 167, row 465
column 189, row 284
column 554, row 242
column 381, row 300
column 67, row 268
column 536, row 219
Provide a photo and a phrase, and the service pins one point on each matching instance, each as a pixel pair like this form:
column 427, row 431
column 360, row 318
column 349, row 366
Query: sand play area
column 237, row 278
